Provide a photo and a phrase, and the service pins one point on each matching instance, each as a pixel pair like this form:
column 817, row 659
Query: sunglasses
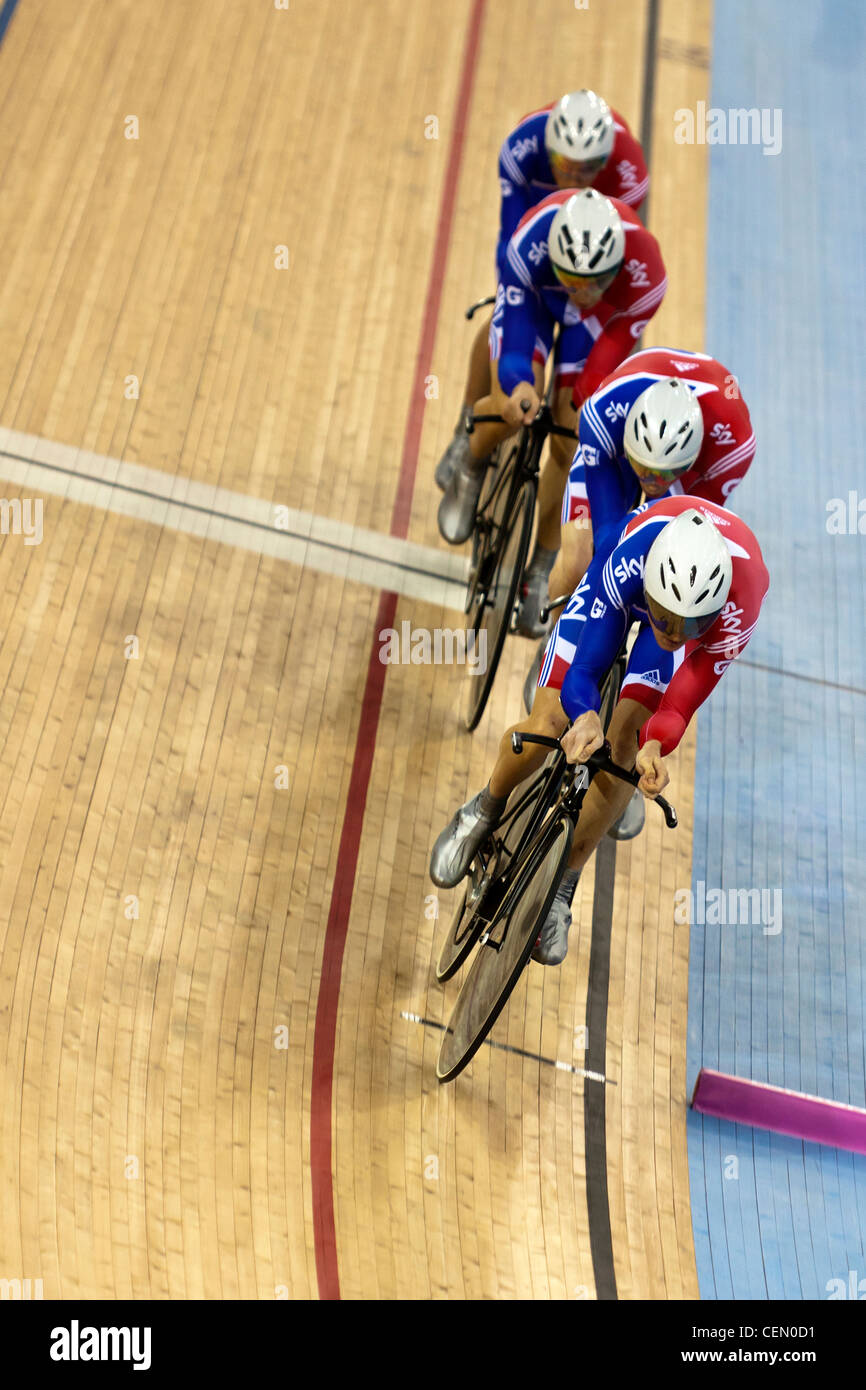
column 579, row 282
column 656, row 475
column 577, row 168
column 674, row 626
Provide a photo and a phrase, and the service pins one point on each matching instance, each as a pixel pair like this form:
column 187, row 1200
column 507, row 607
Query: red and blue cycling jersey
column 601, row 483
column 525, row 175
column 613, row 598
column 531, row 299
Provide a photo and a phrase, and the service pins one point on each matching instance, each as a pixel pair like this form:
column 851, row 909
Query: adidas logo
column 685, row 366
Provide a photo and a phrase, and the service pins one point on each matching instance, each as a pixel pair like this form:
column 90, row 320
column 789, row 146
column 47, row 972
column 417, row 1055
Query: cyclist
column 576, row 142
column 583, row 261
column 692, row 574
column 666, row 420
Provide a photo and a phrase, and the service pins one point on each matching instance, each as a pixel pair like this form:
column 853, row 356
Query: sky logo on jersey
column 730, row 621
column 721, row 433
column 624, row 568
column 637, row 272
column 616, row 410
column 537, row 252
column 598, row 609
column 528, row 145
column 575, row 603
column 627, row 173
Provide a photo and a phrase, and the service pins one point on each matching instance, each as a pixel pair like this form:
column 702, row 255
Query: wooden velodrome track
column 209, row 1087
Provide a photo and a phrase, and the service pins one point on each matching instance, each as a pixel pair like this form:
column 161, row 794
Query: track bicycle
column 512, row 883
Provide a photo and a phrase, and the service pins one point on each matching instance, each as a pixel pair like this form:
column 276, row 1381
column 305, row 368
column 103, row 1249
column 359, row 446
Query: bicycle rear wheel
column 498, row 573
column 489, row 875
column 506, row 946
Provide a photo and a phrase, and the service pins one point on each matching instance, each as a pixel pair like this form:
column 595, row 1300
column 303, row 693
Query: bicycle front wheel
column 496, row 588
column 505, row 947
column 490, row 872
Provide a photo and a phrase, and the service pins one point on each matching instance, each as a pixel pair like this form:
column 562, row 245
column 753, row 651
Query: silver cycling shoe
column 457, row 508
column 533, row 596
column 631, row 821
column 459, row 842
column 551, row 948
column 456, row 453
column 530, row 685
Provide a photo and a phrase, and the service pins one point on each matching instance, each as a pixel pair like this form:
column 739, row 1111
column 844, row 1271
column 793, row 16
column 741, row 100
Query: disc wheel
column 505, row 947
column 500, row 568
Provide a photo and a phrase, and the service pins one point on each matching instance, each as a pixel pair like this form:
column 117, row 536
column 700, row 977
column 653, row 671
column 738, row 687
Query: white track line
column 233, row 518
column 520, row 1051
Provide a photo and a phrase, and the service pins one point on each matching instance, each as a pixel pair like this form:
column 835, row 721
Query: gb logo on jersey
column 638, row 327
column 537, row 252
column 514, row 295
column 521, row 148
column 728, row 487
column 637, row 272
column 598, row 609
column 589, row 454
column 721, row 433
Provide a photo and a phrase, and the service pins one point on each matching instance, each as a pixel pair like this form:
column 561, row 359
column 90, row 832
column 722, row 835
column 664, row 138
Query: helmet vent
column 677, row 595
column 693, row 576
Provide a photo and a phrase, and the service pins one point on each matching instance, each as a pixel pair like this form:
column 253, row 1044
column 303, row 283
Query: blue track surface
column 781, row 771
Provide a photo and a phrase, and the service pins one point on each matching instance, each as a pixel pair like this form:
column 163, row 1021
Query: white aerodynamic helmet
column 580, row 127
column 687, row 576
column 664, row 429
column 586, row 236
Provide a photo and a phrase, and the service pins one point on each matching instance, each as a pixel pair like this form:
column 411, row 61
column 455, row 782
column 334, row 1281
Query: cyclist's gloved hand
column 523, row 393
column 583, row 738
column 651, row 766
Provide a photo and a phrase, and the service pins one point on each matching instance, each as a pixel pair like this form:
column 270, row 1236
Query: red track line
column 324, row 1039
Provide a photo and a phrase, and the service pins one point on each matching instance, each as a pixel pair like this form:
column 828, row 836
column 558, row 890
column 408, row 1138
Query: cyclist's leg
column 572, row 349
column 648, row 674
column 457, row 508
column 575, row 535
column 477, row 386
column 459, row 841
column 484, row 438
column 478, row 376
column 547, row 718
